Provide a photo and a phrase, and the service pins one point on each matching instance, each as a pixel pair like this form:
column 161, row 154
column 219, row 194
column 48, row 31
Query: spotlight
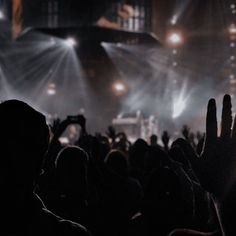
column 178, row 107
column 180, row 101
column 51, row 89
column 2, row 15
column 175, row 38
column 232, row 29
column 71, row 42
column 64, row 140
column 174, row 20
column 119, row 88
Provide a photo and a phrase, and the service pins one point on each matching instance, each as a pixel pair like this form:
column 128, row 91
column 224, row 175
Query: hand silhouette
column 216, row 165
column 165, row 140
column 111, row 133
column 186, row 132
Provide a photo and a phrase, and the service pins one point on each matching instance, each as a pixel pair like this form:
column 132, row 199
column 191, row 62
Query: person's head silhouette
column 71, row 170
column 24, row 141
column 117, row 162
column 153, row 140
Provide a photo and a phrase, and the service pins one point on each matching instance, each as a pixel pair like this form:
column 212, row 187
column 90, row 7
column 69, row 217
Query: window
column 135, row 16
column 50, row 11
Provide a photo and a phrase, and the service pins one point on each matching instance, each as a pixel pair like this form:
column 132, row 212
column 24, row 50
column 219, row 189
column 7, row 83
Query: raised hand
column 165, row 139
column 216, row 165
column 111, row 133
column 186, row 132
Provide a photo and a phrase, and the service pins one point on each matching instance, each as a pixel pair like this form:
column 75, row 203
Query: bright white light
column 178, row 107
column 51, row 89
column 180, row 102
column 175, row 38
column 174, row 20
column 232, row 29
column 232, row 6
column 1, row 15
column 119, row 87
column 64, row 140
column 51, row 92
column 71, row 42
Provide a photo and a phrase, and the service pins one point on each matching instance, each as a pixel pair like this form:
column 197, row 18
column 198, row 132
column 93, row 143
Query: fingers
column 211, row 123
column 226, row 120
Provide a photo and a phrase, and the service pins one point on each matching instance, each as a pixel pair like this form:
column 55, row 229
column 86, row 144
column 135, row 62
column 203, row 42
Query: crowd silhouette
column 104, row 186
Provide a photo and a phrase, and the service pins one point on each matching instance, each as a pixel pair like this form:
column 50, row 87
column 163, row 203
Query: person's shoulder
column 71, row 228
column 52, row 224
column 64, row 227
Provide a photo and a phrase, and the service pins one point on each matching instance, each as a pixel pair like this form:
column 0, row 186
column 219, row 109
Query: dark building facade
column 135, row 15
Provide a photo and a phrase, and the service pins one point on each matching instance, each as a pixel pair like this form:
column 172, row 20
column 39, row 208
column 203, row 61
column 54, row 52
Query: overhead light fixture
column 174, row 20
column 119, row 88
column 232, row 29
column 175, row 38
column 71, row 42
column 51, row 91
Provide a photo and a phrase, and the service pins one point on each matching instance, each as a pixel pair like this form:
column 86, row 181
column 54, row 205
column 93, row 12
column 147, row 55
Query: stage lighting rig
column 119, row 88
column 232, row 29
column 175, row 38
column 71, row 42
column 51, row 91
column 174, row 20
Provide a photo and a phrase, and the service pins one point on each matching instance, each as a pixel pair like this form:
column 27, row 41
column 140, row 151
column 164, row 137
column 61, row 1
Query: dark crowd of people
column 104, row 185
